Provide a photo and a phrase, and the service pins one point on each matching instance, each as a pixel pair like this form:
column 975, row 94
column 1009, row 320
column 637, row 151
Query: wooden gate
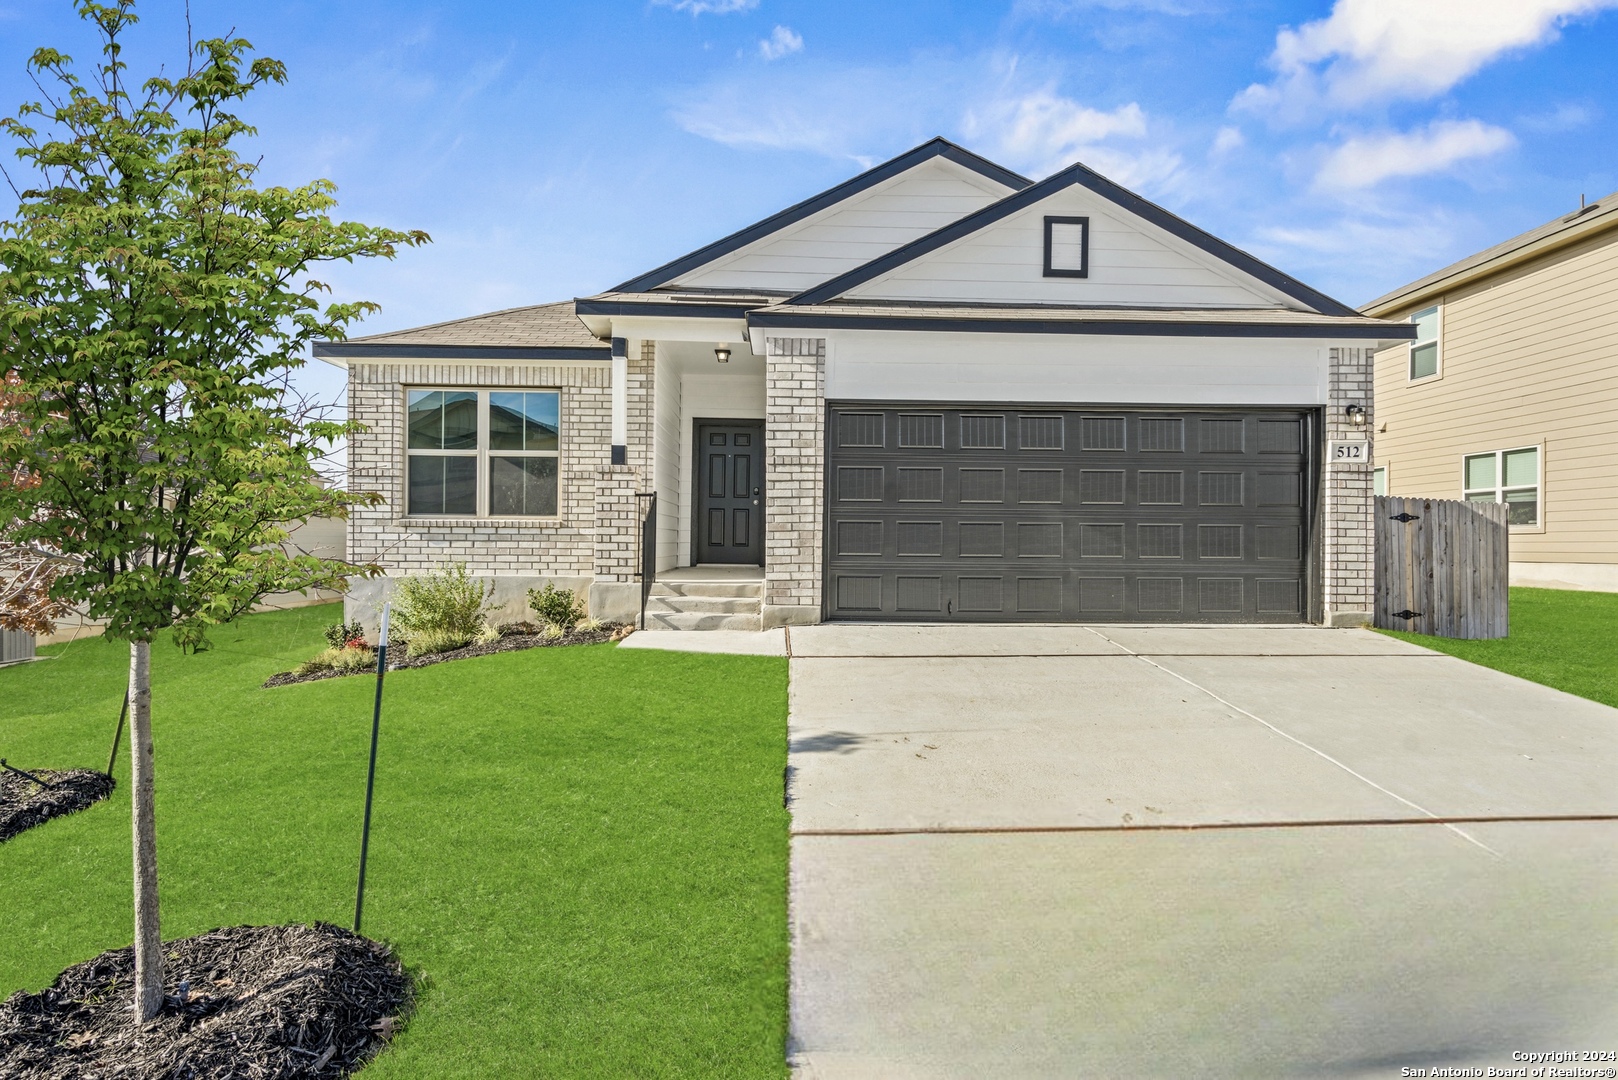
column 1441, row 567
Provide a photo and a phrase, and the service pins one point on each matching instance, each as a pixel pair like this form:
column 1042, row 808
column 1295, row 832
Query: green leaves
column 152, row 299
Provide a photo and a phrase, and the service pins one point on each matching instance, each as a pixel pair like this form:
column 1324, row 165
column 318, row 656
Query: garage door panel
column 1073, row 513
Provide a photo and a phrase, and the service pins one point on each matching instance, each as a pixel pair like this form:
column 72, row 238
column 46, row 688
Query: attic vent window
column 1067, row 247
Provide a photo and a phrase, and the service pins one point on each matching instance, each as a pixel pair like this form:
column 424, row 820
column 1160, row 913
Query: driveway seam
column 1463, row 834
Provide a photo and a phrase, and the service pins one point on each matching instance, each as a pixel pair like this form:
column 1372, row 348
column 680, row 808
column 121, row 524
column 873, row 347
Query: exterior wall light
column 722, row 354
column 1356, row 415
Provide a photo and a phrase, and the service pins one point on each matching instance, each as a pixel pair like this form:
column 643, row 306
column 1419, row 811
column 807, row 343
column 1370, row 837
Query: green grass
column 581, row 851
column 1564, row 639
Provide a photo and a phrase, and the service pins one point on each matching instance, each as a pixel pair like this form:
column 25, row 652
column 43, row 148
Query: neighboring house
column 935, row 392
column 1509, row 393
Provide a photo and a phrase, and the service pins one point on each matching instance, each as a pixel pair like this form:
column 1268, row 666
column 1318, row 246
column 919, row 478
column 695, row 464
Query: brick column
column 615, row 594
column 1350, row 568
column 642, row 378
column 794, row 471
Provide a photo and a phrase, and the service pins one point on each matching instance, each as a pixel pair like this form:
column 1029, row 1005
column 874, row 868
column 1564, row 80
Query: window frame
column 483, row 453
column 1437, row 343
column 1051, row 221
column 1500, row 487
column 1387, row 474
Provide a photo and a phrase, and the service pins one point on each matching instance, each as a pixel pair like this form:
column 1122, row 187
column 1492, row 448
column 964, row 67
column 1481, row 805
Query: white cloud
column 1060, row 10
column 1366, row 160
column 840, row 112
column 783, row 41
column 1227, row 139
column 866, row 114
column 708, row 7
column 1041, row 132
column 1563, row 118
column 1371, row 50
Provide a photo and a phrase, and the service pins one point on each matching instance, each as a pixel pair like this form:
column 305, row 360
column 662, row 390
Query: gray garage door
column 1067, row 514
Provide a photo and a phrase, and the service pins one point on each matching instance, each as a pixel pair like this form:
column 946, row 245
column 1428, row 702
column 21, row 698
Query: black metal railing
column 648, row 548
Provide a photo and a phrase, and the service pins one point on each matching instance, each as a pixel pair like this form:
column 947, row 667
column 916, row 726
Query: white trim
column 1501, row 488
column 482, row 453
column 1387, row 478
column 1437, row 308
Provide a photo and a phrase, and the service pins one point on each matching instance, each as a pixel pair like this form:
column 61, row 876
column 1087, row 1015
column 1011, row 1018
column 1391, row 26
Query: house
column 1509, row 393
column 936, row 392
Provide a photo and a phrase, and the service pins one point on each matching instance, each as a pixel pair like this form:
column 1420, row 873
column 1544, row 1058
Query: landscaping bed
column 24, row 804
column 245, row 1001
column 512, row 637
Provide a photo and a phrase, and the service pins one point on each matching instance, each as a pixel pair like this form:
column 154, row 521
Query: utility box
column 15, row 645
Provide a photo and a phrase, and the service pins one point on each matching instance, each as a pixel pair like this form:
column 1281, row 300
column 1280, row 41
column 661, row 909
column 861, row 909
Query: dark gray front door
column 1068, row 513
column 730, row 492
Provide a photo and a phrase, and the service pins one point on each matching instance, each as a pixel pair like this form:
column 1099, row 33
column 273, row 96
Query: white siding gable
column 1133, row 263
column 852, row 232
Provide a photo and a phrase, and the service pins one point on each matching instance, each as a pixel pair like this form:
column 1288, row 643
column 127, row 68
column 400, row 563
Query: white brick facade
column 1348, row 559
column 795, row 469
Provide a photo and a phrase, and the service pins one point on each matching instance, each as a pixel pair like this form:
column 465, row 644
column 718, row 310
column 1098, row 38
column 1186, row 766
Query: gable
column 851, row 233
column 1144, row 256
column 1130, row 263
column 937, row 182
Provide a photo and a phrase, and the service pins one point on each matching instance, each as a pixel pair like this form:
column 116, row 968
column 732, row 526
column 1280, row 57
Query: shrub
column 346, row 635
column 427, row 642
column 560, row 608
column 339, row 659
column 446, row 603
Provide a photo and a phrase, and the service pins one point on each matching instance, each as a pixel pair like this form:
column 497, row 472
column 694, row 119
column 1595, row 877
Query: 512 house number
column 1349, row 453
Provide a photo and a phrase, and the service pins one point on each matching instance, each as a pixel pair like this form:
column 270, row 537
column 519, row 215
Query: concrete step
column 704, row 605
column 708, row 588
column 696, row 620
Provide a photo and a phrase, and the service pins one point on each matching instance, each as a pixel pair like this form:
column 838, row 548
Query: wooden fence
column 1441, row 567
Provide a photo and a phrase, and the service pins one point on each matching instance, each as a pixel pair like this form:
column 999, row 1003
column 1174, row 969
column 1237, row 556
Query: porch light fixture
column 1356, row 415
column 722, row 354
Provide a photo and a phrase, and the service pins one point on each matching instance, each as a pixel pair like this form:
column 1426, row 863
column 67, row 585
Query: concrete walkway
column 1061, row 851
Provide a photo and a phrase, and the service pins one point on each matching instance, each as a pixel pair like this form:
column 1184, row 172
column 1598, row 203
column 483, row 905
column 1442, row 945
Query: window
column 1379, row 480
column 1067, row 247
column 1508, row 476
column 483, row 453
column 1424, row 350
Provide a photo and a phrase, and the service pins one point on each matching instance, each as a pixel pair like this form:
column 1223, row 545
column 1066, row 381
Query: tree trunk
column 148, row 934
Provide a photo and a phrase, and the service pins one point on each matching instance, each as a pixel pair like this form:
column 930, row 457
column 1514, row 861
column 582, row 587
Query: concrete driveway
column 1163, row 851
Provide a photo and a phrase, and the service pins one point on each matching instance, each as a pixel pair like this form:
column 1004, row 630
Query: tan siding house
column 1510, row 393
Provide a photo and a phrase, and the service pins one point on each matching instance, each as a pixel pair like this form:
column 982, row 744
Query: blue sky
column 555, row 149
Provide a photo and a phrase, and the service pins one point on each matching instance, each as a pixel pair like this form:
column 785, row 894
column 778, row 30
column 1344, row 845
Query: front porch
column 707, row 597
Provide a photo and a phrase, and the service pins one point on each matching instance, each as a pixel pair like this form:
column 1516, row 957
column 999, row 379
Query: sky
column 553, row 150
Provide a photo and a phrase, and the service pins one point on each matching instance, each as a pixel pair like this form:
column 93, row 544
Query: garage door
column 1067, row 514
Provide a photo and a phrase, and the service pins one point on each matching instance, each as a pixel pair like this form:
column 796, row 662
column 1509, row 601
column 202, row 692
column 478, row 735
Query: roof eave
column 338, row 352
column 1442, row 281
column 1344, row 329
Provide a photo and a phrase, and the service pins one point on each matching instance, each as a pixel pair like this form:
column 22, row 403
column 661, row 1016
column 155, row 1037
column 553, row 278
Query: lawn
column 581, row 852
column 1560, row 638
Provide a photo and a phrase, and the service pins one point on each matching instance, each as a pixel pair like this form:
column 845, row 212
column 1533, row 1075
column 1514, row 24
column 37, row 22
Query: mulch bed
column 512, row 637
column 245, row 1001
column 24, row 804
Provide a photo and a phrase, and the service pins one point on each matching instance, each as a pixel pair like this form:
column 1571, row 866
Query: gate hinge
column 1407, row 614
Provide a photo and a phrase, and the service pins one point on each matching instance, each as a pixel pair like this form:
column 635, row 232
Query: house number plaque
column 1349, row 453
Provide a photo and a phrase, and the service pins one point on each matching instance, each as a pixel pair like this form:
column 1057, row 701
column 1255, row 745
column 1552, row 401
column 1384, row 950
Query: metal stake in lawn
column 370, row 777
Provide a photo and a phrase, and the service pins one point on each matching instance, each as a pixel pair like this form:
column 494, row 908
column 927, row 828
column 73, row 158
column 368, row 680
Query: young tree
column 152, row 299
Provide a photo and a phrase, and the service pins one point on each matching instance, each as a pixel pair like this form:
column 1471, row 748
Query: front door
column 730, row 492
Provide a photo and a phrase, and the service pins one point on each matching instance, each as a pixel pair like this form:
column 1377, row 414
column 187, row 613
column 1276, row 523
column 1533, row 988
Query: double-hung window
column 1508, row 476
column 1424, row 350
column 483, row 453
